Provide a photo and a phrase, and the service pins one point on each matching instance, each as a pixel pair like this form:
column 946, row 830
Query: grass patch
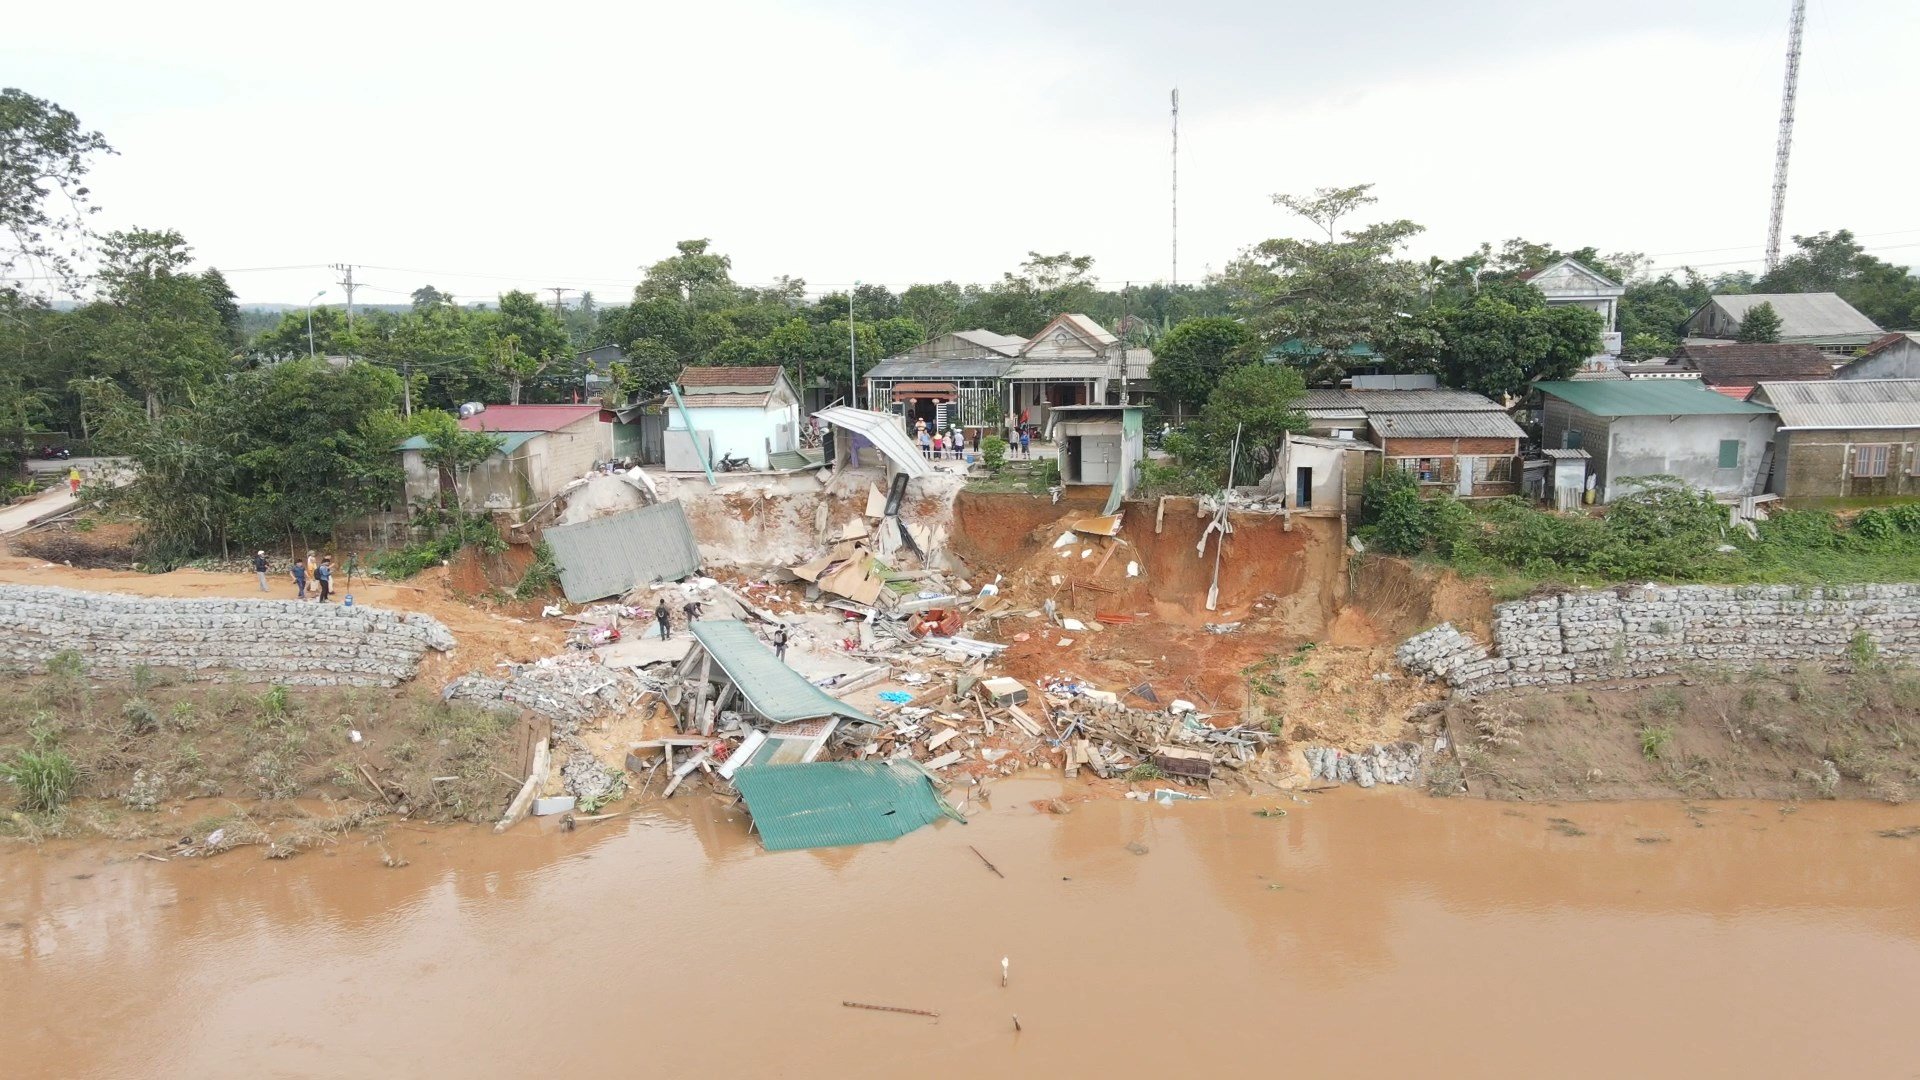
column 44, row 778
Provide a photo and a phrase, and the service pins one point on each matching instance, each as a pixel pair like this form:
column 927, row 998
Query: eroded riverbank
column 1367, row 932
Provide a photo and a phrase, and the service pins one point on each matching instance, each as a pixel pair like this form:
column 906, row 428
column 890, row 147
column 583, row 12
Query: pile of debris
column 567, row 690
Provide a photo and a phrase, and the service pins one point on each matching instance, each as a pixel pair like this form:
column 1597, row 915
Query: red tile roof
column 1746, row 364
column 752, row 378
column 1737, row 393
column 527, row 417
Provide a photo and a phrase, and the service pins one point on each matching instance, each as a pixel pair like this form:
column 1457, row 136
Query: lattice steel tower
column 1785, row 148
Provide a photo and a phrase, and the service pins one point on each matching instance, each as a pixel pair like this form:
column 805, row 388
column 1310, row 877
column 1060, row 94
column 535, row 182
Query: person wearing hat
column 260, row 568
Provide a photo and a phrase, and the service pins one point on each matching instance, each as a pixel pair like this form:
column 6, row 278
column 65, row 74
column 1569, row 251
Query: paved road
column 51, row 501
column 87, row 465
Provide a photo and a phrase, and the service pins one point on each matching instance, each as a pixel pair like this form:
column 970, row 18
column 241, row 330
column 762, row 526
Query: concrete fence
column 281, row 641
column 1640, row 632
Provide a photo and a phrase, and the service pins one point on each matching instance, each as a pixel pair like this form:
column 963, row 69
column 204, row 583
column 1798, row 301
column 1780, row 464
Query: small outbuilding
column 1892, row 356
column 541, row 449
column 1844, row 439
column 1652, row 427
column 1319, row 474
column 1099, row 445
column 741, row 412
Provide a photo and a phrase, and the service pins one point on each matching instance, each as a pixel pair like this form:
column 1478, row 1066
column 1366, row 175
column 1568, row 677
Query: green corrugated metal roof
column 509, row 441
column 773, row 689
column 836, row 803
column 795, row 459
column 1645, row 397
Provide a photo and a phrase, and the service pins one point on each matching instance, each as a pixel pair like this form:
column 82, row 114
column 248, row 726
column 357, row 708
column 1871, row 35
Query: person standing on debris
column 780, row 643
column 691, row 611
column 299, row 571
column 324, row 575
column 665, row 618
column 260, row 568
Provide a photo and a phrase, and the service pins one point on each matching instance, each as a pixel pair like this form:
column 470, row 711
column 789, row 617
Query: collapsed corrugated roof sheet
column 883, row 430
column 607, row 556
column 772, row 689
column 836, row 803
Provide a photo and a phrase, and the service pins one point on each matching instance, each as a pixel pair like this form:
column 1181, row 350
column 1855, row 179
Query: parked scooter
column 730, row 463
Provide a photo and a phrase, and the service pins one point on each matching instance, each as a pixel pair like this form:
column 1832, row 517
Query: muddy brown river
column 1366, row 934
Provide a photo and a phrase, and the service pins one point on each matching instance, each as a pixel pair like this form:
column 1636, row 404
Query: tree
column 935, row 307
column 1189, row 361
column 317, row 447
column 427, row 297
column 1331, row 295
column 44, row 201
column 1261, row 403
column 525, row 338
column 695, row 277
column 452, row 449
column 1508, row 336
column 1045, row 286
column 1760, row 324
column 164, row 332
column 225, row 305
column 1835, row 262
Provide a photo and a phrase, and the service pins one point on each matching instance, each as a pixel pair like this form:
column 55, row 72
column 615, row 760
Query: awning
column 883, row 430
column 903, row 391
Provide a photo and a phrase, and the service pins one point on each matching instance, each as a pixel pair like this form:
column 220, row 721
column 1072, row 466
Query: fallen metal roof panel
column 607, row 556
column 836, row 803
column 883, row 430
column 773, row 690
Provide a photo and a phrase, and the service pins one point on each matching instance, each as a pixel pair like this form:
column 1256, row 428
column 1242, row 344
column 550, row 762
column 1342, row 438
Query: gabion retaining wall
column 1638, row 632
column 281, row 641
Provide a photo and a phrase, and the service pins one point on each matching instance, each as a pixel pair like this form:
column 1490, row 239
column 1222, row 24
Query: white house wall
column 744, row 432
column 1687, row 447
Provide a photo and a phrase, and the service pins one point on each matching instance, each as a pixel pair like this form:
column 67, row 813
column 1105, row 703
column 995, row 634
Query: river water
column 1368, row 933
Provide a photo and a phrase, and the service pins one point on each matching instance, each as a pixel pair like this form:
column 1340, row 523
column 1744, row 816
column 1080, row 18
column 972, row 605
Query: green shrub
column 1654, row 741
column 45, row 777
column 993, row 453
column 541, row 576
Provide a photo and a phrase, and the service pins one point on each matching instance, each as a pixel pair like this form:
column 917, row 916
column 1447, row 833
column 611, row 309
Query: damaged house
column 542, row 448
column 750, row 413
column 1447, row 440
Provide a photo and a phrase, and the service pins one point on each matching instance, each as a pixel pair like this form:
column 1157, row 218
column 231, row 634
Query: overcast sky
column 480, row 148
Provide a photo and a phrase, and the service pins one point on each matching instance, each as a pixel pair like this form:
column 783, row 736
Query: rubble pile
column 1395, row 764
column 568, row 690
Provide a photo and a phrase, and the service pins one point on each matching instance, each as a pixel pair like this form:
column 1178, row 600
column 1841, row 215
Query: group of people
column 1019, row 435
column 316, row 572
column 934, row 443
column 664, row 616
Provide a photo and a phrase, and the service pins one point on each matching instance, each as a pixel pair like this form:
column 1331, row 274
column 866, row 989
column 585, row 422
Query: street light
column 853, row 354
column 316, row 296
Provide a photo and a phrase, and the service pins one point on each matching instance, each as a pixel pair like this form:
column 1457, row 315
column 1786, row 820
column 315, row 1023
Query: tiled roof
column 751, row 378
column 1746, row 364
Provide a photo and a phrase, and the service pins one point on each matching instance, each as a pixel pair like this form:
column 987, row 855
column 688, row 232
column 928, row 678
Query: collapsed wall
column 278, row 641
column 1640, row 632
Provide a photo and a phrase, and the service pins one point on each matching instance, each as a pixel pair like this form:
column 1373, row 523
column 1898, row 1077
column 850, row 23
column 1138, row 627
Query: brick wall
column 1444, row 451
column 1820, row 464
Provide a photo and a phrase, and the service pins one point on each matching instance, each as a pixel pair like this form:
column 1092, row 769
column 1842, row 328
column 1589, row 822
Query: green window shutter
column 1729, row 453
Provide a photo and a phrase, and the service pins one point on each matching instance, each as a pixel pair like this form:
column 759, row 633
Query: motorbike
column 54, row 453
column 730, row 463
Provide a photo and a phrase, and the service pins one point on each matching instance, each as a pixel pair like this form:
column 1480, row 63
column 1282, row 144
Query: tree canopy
column 1191, row 359
column 1761, row 324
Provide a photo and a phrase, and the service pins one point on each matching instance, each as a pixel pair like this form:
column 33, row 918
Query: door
column 1463, row 469
column 1303, row 487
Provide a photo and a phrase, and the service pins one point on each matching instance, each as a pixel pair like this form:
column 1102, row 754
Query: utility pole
column 853, row 354
column 346, row 282
column 1126, row 320
column 1176, row 187
column 559, row 311
column 1784, row 147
